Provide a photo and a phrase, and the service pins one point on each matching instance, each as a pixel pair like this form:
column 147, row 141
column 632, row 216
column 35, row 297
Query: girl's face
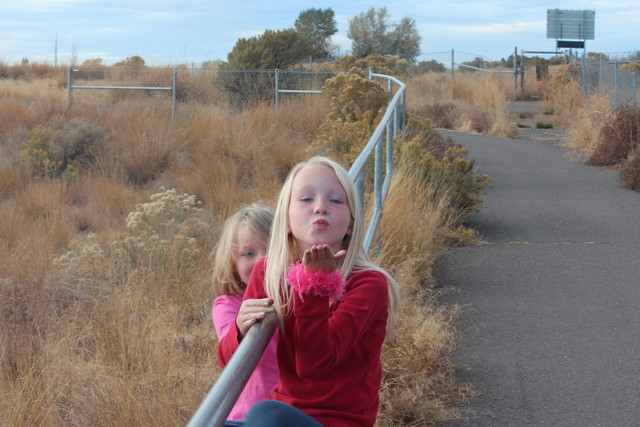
column 249, row 249
column 318, row 210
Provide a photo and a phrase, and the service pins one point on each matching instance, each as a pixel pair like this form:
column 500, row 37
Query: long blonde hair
column 257, row 217
column 283, row 250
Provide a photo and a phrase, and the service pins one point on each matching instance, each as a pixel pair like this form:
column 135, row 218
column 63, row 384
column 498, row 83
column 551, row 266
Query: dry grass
column 418, row 386
column 86, row 341
column 601, row 134
column 45, row 89
column 472, row 102
column 583, row 133
column 564, row 94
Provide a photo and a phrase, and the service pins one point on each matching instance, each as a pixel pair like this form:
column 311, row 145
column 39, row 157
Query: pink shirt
column 265, row 377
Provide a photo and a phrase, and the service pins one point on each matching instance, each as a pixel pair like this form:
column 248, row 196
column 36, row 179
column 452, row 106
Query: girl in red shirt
column 335, row 306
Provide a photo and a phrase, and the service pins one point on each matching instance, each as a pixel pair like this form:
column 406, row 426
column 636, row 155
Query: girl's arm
column 253, row 303
column 224, row 311
column 329, row 336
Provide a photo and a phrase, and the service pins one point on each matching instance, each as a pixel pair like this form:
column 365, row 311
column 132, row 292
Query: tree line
column 310, row 38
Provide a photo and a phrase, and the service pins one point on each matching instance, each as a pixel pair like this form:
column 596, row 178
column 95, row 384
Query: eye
column 306, row 199
column 336, row 201
column 248, row 254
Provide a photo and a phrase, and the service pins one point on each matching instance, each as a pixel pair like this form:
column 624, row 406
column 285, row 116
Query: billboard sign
column 571, row 24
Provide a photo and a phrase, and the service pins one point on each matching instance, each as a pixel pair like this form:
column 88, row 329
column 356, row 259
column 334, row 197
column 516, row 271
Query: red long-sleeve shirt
column 329, row 355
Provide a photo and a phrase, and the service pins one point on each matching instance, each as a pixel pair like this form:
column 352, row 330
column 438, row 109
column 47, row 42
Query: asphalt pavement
column 551, row 296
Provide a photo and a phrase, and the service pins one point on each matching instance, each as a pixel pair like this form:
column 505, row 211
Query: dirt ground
column 533, row 124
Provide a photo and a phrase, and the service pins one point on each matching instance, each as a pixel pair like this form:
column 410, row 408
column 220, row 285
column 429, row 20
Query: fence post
column 633, row 88
column 615, row 83
column 277, row 88
column 521, row 74
column 69, row 84
column 452, row 66
column 585, row 80
column 173, row 96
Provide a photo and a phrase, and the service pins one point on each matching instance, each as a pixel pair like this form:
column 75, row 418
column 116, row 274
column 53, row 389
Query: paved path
column 552, row 318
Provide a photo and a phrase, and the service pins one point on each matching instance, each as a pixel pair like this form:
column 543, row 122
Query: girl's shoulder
column 261, row 263
column 369, row 278
column 229, row 299
column 368, row 274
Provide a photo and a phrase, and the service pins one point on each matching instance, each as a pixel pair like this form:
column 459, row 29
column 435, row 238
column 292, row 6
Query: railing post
column 359, row 184
column 389, row 162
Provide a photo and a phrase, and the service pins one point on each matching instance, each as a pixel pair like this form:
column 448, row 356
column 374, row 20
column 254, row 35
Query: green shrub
column 441, row 161
column 441, row 115
column 163, row 241
column 66, row 148
column 543, row 125
column 356, row 104
column 456, row 174
column 162, row 237
column 355, row 107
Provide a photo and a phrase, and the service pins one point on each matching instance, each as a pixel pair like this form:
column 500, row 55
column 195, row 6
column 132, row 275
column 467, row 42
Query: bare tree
column 370, row 32
column 405, row 40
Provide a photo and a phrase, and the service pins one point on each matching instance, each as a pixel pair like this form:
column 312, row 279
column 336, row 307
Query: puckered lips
column 321, row 224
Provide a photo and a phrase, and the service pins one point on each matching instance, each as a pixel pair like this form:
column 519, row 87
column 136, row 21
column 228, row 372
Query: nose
column 320, row 207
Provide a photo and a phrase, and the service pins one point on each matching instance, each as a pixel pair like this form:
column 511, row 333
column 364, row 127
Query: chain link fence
column 621, row 85
column 233, row 88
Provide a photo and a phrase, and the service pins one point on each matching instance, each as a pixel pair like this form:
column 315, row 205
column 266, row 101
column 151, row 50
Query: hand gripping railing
column 219, row 402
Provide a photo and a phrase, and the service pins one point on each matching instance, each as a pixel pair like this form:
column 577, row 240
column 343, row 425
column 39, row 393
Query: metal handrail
column 215, row 408
column 392, row 124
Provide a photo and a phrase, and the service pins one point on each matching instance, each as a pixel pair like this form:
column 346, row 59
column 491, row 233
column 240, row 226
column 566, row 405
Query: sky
column 173, row 32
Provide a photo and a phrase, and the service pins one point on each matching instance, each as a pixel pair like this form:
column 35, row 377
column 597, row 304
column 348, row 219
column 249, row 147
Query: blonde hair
column 258, row 218
column 283, row 250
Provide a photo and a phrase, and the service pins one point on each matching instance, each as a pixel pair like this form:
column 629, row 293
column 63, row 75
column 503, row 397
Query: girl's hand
column 321, row 258
column 252, row 311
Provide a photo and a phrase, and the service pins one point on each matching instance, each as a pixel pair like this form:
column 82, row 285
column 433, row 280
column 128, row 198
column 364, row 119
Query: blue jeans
column 271, row 413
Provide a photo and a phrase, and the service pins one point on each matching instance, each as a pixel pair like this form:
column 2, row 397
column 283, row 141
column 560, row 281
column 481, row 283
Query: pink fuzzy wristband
column 318, row 283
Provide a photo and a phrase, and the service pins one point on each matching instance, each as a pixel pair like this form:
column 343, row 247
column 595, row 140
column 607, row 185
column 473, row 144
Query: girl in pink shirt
column 243, row 242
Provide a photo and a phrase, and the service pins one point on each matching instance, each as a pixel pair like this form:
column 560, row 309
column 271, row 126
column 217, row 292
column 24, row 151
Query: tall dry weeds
column 565, row 95
column 418, row 386
column 583, row 133
column 470, row 102
column 84, row 341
